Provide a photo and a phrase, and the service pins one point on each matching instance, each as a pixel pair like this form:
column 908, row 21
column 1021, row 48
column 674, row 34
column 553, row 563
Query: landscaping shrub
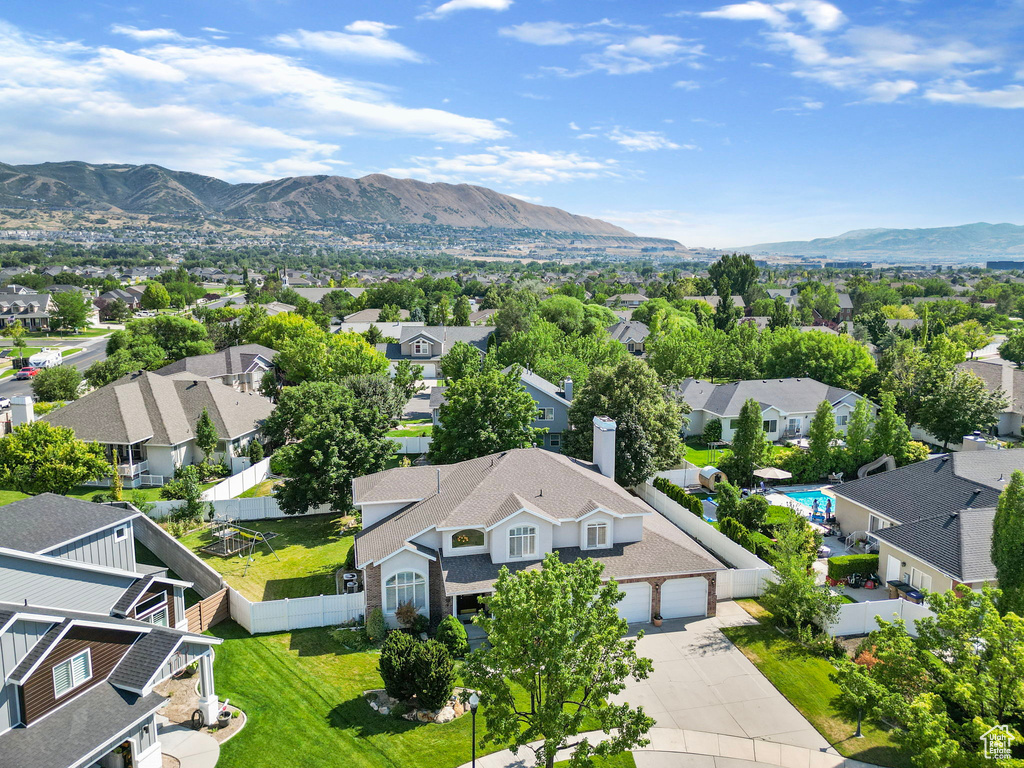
column 679, row 496
column 376, row 627
column 753, row 511
column 433, row 673
column 55, row 384
column 776, row 516
column 712, row 431
column 255, row 451
column 452, row 635
column 734, row 529
column 397, row 666
column 761, row 546
column 840, row 568
column 406, row 614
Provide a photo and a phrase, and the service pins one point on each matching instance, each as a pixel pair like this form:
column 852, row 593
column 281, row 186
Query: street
column 92, row 350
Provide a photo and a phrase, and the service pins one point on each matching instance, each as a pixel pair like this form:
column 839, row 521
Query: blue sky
column 717, row 124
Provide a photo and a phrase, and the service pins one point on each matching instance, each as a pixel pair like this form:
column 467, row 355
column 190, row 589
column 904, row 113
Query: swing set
column 230, row 539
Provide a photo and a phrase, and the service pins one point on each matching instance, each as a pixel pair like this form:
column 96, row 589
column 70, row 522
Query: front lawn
column 413, row 428
column 311, row 550
column 803, row 678
column 302, row 692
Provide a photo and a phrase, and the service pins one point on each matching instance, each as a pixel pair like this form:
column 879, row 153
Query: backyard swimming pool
column 807, row 498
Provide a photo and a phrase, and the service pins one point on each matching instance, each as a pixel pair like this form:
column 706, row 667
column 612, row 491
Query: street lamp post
column 474, row 702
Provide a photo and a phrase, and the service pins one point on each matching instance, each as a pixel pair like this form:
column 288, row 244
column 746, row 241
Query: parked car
column 5, row 402
column 26, row 373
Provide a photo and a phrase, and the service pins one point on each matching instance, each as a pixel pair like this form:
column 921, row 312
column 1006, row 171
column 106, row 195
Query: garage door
column 429, row 370
column 636, row 605
column 684, row 597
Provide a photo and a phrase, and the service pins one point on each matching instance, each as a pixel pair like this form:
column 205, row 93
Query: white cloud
column 453, row 6
column 227, row 111
column 886, row 91
column 371, row 44
column 146, row 35
column 959, row 92
column 375, row 28
column 686, row 85
column 750, row 11
column 643, row 53
column 573, row 126
column 642, row 141
column 502, row 165
column 542, row 32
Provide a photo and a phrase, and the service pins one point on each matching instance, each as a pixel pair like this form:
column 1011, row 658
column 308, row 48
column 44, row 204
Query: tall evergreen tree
column 859, row 433
column 749, row 443
column 206, row 435
column 891, row 435
column 821, row 435
column 1008, row 544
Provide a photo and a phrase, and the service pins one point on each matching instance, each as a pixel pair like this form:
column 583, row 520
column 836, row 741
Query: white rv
column 47, row 357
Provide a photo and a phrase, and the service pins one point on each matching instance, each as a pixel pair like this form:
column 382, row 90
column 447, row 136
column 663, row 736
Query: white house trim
column 407, row 547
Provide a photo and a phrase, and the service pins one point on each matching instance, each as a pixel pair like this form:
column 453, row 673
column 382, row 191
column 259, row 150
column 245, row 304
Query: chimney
column 567, row 388
column 22, row 410
column 604, row 445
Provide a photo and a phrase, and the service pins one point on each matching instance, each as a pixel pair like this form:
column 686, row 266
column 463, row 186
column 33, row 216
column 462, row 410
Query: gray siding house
column 239, row 367
column 632, row 334
column 146, row 422
column 86, row 634
column 552, row 405
column 426, row 345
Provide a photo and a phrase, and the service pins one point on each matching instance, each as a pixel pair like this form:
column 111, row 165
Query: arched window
column 470, row 537
column 405, row 587
column 597, row 535
column 522, row 541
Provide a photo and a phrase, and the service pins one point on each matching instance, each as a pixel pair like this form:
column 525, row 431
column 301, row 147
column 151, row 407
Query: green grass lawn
column 66, row 352
column 302, row 692
column 266, row 488
column 803, row 678
column 698, row 453
column 86, row 492
column 413, row 428
column 311, row 549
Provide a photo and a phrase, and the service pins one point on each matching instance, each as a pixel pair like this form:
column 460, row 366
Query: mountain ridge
column 975, row 239
column 376, row 198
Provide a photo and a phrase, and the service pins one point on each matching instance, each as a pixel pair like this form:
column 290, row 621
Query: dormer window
column 522, row 541
column 468, row 538
column 597, row 535
column 72, row 673
column 421, row 347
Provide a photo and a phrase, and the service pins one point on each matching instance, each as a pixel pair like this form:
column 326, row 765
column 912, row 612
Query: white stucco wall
column 499, row 537
column 403, row 561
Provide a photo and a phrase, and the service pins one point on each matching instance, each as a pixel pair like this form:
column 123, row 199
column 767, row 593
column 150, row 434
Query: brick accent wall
column 372, row 589
column 440, row 605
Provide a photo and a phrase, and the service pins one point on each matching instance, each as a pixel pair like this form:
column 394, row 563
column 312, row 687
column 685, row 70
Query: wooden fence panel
column 206, row 613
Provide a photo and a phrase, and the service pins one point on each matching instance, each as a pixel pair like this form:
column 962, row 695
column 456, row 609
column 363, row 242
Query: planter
column 223, row 719
column 656, row 622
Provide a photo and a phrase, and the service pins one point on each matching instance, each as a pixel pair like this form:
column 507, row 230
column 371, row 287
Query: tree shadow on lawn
column 356, row 715
column 313, row 584
column 319, row 641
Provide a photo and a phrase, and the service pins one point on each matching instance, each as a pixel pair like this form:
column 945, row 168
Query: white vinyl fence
column 260, row 508
column 719, row 544
column 238, row 483
column 859, row 618
column 747, row 582
column 296, row 613
column 412, row 444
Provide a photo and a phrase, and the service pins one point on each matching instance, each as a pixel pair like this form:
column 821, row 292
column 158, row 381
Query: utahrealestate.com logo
column 997, row 742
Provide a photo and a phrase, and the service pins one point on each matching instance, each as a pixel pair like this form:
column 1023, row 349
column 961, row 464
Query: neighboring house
column 314, row 294
column 482, row 317
column 787, row 405
column 437, row 536
column 146, row 422
column 632, row 333
column 372, row 316
column 932, row 520
column 277, row 308
column 761, row 321
column 792, row 296
column 130, row 296
column 903, row 324
column 552, row 405
column 32, row 310
column 241, row 367
column 628, row 300
column 86, row 633
column 1010, row 380
column 426, row 345
column 712, row 301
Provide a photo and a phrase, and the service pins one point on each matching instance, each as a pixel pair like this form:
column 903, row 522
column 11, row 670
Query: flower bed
column 383, row 704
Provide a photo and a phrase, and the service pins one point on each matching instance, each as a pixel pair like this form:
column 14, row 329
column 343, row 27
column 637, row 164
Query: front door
column 892, row 569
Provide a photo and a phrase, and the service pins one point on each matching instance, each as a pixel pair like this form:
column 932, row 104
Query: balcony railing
column 133, row 469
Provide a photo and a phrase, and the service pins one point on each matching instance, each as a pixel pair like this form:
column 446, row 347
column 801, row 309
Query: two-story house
column 30, row 309
column 932, row 521
column 437, row 536
column 552, row 405
column 787, row 405
column 239, row 367
column 632, row 334
column 86, row 634
column 147, row 422
column 426, row 345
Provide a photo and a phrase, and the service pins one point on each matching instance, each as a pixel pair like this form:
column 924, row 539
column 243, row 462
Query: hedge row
column 752, row 541
column 840, row 568
column 679, row 496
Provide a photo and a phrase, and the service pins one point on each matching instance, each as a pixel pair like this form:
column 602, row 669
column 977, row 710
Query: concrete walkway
column 675, row 748
column 193, row 749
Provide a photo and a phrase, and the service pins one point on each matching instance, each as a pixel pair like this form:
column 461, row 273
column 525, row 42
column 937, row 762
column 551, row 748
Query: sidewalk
column 667, row 744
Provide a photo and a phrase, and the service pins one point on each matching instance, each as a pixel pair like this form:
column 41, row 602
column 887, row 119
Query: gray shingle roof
column 238, row 359
column 664, row 550
column 540, row 384
column 42, row 522
column 629, row 330
column 788, row 395
column 959, row 545
column 162, row 409
column 144, row 659
column 40, row 649
column 133, row 593
column 473, row 492
column 73, row 731
column 998, row 376
column 372, row 316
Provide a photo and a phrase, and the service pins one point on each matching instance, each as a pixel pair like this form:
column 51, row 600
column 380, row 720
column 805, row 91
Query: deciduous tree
column 71, row 311
column 460, row 361
column 958, row 404
column 41, row 458
column 58, row 383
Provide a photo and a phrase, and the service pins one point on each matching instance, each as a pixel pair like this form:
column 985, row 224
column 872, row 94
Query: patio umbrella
column 772, row 473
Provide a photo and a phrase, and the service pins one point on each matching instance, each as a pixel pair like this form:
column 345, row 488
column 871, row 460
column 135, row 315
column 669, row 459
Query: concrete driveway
column 701, row 682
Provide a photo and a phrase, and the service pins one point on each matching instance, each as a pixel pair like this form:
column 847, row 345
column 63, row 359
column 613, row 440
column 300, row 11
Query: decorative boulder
column 446, row 715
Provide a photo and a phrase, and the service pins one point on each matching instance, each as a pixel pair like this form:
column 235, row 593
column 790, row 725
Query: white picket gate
column 736, row 583
column 859, row 618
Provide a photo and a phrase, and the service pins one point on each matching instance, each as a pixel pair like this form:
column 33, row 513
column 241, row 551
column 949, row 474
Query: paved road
column 92, row 350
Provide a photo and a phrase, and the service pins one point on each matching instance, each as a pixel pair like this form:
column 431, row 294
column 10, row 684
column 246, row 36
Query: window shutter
column 81, row 668
column 62, row 678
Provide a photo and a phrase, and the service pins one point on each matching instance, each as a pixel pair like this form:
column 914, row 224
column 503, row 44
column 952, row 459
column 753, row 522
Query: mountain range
column 152, row 189
column 978, row 240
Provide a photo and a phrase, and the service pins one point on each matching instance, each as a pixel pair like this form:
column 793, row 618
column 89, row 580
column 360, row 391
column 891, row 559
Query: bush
column 406, row 614
column 916, row 451
column 433, row 673
column 397, row 667
column 761, row 546
column 712, row 431
column 734, row 529
column 776, row 516
column 58, row 383
column 840, row 568
column 679, row 496
column 452, row 635
column 376, row 627
column 255, row 451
